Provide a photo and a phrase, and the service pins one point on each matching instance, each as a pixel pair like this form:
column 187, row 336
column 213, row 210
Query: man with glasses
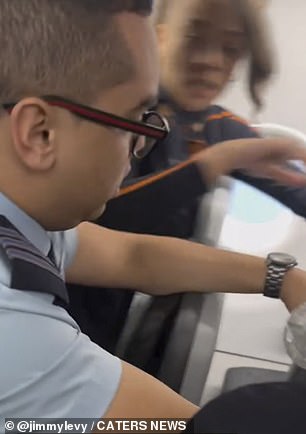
column 146, row 133
column 76, row 77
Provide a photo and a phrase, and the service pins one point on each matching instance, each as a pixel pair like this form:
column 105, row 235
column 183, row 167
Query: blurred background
column 251, row 332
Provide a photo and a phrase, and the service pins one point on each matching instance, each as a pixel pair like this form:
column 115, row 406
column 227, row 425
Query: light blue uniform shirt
column 48, row 368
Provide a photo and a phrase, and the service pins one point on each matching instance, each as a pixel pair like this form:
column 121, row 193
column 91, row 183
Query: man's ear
column 32, row 129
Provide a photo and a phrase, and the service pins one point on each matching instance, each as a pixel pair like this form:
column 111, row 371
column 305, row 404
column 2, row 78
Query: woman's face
column 199, row 46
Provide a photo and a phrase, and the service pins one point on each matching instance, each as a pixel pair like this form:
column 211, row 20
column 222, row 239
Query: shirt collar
column 32, row 230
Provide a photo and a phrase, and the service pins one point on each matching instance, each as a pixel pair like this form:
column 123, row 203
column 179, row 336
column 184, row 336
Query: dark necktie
column 31, row 270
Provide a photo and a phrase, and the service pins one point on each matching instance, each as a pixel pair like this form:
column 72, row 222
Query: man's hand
column 267, row 158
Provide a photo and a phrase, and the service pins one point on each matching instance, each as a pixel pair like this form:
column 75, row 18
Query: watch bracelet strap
column 274, row 280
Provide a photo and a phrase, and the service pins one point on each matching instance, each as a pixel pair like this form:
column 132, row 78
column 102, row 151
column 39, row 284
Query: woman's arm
column 293, row 197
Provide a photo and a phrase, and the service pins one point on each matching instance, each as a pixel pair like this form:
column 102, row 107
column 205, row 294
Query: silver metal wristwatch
column 277, row 266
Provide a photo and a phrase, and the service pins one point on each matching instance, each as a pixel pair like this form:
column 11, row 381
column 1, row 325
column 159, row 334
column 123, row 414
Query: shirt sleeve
column 149, row 200
column 70, row 246
column 71, row 375
column 295, row 336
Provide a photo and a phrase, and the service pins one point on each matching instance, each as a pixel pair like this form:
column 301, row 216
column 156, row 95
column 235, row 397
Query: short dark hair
column 261, row 56
column 67, row 47
column 138, row 6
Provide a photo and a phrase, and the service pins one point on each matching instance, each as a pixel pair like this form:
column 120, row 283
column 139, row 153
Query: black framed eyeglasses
column 146, row 133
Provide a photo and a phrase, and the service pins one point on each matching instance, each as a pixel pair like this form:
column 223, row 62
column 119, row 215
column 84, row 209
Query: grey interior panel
column 181, row 340
column 203, row 346
column 194, row 328
column 243, row 376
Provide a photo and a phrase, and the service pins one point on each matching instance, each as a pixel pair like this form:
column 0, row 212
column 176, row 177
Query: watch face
column 282, row 259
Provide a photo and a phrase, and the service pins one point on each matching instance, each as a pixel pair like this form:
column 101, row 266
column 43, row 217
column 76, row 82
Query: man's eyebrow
column 149, row 102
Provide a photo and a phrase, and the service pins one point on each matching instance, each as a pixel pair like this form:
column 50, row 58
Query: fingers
column 271, row 155
column 276, row 153
column 281, row 175
column 299, row 155
column 289, row 149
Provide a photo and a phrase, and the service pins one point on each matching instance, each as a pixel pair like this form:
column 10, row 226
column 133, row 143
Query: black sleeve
column 292, row 197
column 274, row 408
column 147, row 201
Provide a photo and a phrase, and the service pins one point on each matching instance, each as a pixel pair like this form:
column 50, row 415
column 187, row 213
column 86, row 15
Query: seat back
column 180, row 330
column 276, row 130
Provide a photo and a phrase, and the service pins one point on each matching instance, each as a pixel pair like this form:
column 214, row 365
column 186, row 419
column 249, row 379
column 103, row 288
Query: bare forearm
column 172, row 266
column 168, row 265
column 162, row 265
